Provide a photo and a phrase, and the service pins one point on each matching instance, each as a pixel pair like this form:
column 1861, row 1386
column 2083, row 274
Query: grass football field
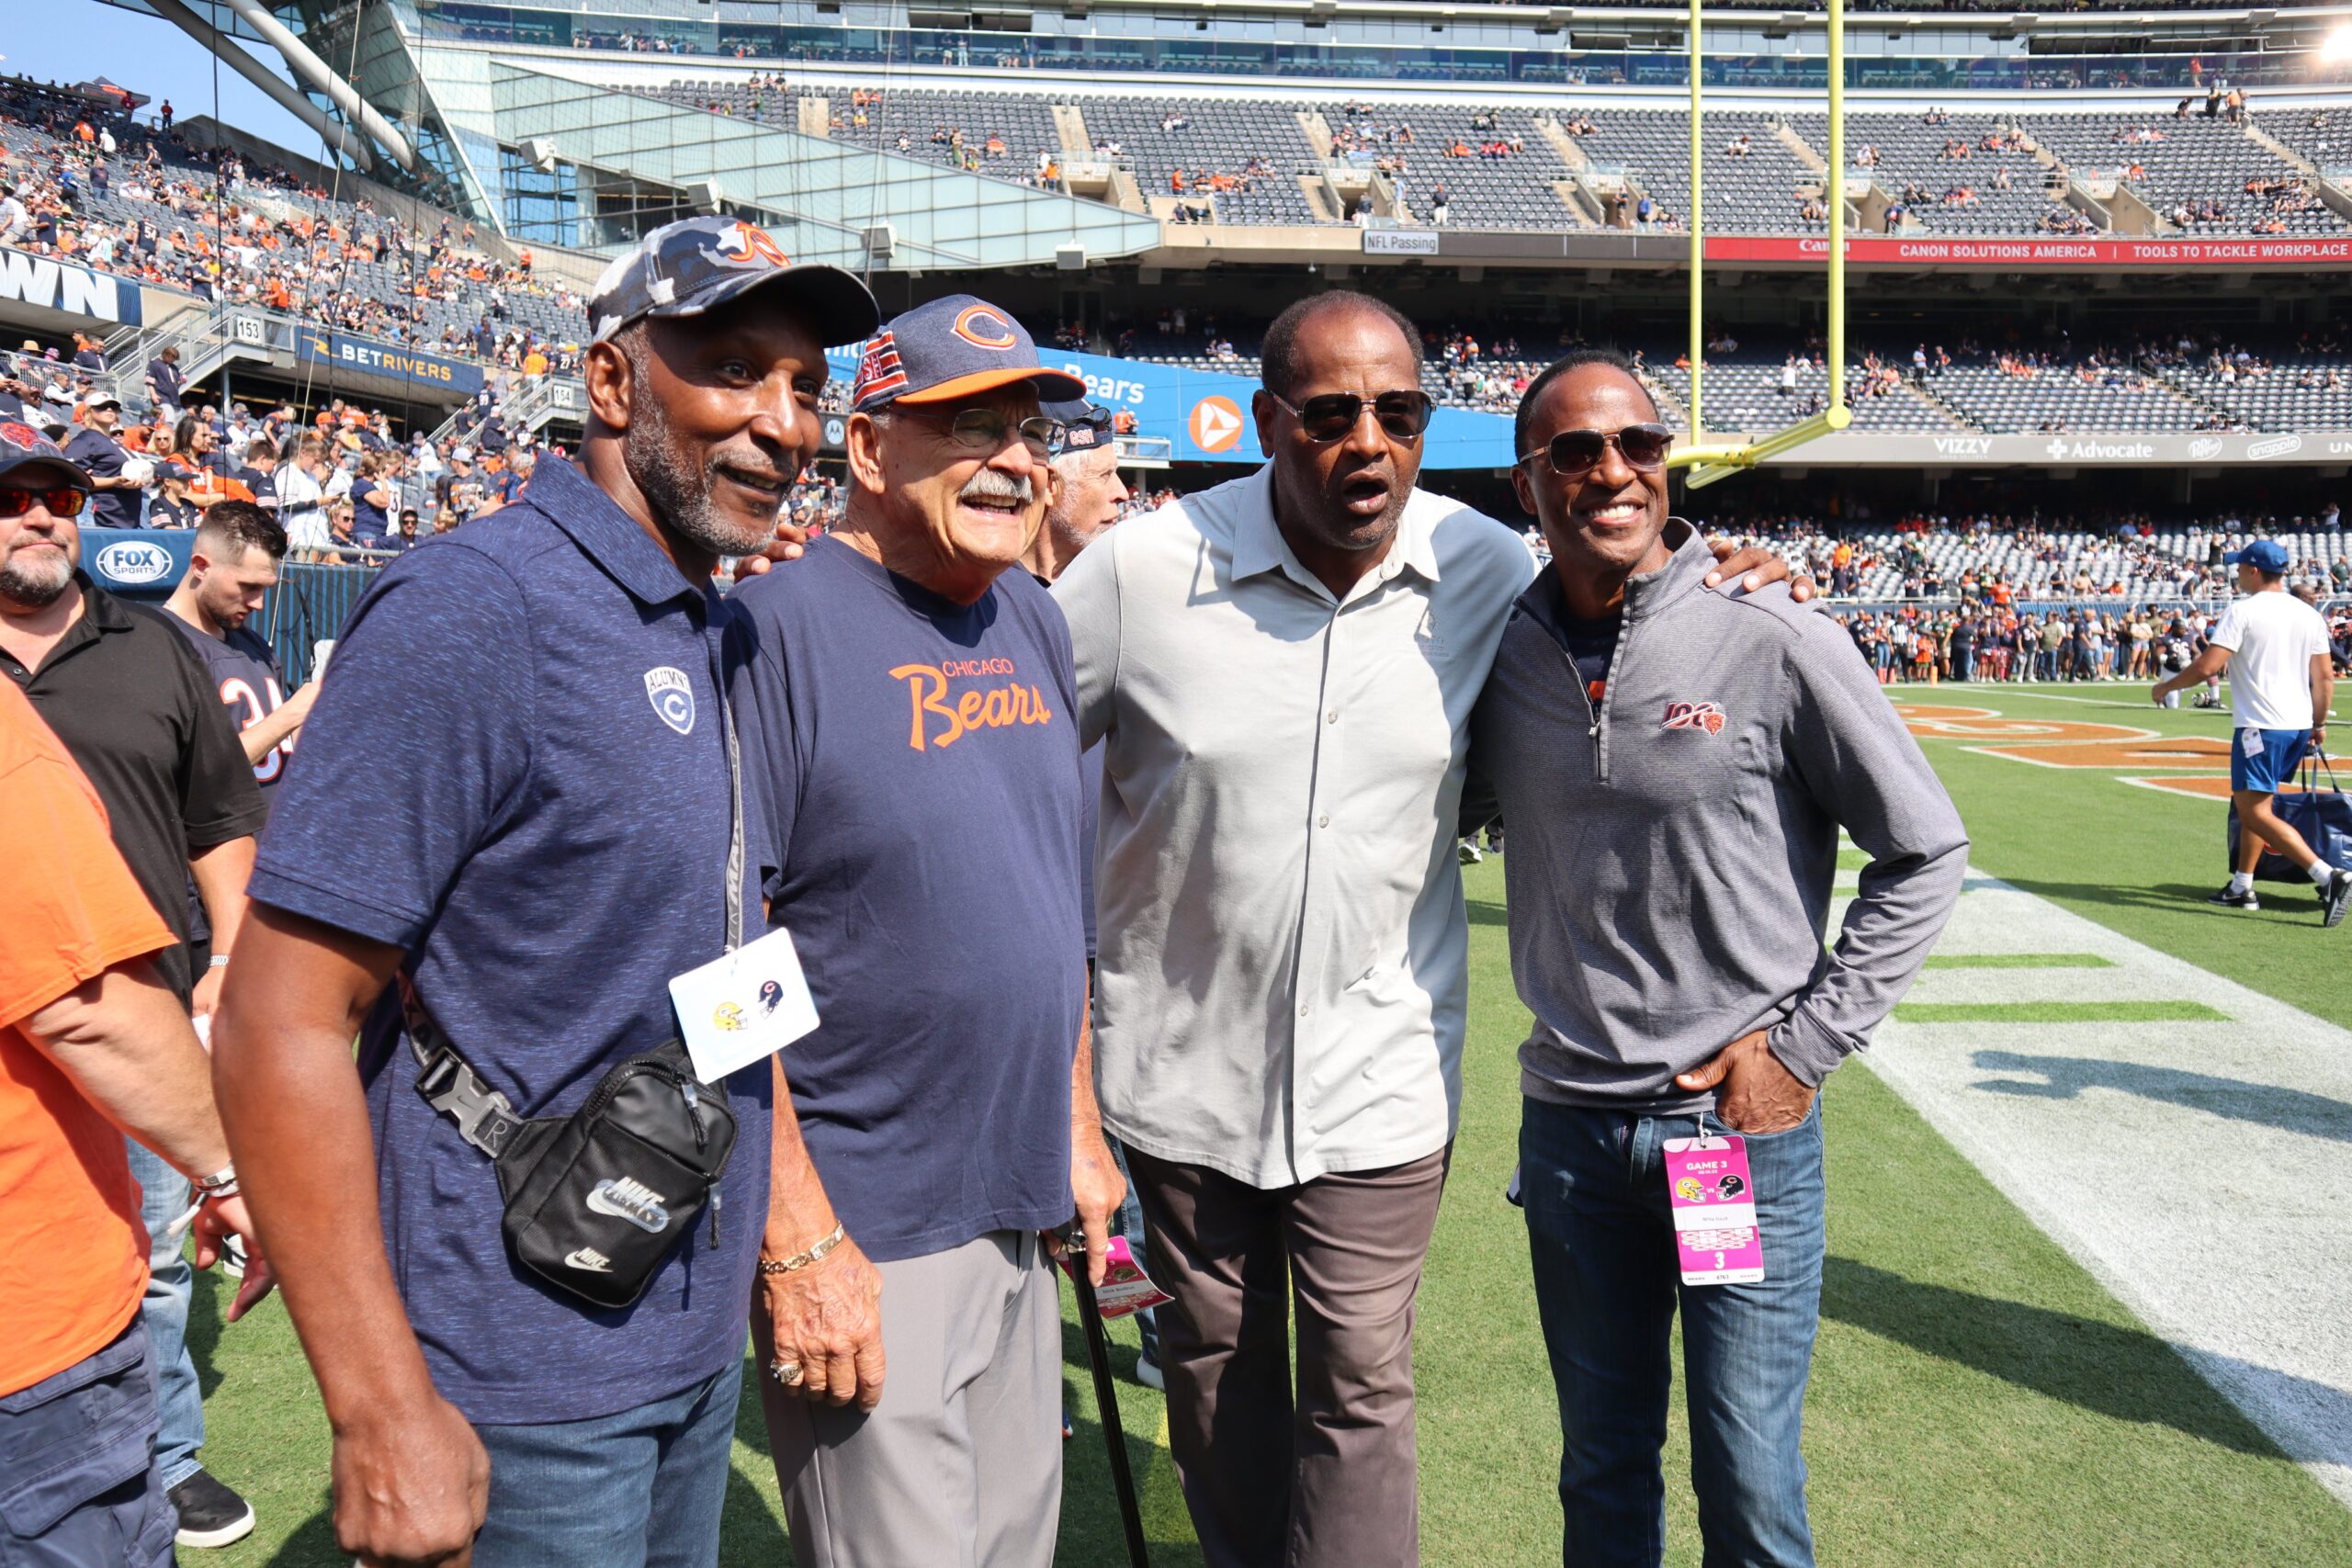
column 1977, row 1398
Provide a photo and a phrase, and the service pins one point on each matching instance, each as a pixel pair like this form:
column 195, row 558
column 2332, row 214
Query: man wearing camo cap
column 527, row 834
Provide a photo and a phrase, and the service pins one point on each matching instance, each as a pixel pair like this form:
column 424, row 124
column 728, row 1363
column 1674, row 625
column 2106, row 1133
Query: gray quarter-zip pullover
column 1673, row 847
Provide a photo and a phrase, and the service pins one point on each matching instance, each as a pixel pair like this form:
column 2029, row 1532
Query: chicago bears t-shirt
column 919, row 765
column 245, row 671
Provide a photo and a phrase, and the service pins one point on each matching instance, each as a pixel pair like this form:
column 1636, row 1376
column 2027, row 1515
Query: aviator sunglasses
column 1330, row 416
column 66, row 500
column 1575, row 453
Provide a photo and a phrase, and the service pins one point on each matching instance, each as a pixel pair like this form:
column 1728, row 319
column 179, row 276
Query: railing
column 309, row 606
column 206, row 340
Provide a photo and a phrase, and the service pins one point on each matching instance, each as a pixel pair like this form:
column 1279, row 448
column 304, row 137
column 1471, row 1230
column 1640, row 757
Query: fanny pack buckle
column 484, row 1117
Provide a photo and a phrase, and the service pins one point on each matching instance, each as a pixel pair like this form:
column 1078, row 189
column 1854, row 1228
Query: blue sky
column 81, row 38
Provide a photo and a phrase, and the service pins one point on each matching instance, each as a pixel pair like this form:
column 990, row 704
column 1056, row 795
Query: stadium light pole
column 1704, row 463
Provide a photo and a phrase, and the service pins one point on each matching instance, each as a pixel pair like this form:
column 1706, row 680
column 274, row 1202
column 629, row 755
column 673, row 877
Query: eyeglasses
column 1575, row 453
column 983, row 430
column 63, row 501
column 1333, row 416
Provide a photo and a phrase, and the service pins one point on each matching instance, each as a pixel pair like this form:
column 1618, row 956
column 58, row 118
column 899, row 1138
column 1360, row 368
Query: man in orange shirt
column 92, row 1045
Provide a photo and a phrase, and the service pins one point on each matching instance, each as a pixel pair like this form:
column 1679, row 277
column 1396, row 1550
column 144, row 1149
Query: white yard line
column 2193, row 1167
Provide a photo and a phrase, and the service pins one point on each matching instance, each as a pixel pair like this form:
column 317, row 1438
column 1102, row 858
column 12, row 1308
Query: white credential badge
column 673, row 696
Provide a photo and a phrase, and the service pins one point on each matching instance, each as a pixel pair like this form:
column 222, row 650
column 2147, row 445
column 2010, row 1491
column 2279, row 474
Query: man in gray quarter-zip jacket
column 1675, row 764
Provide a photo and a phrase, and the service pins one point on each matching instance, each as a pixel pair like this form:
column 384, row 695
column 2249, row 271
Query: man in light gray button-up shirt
column 1283, row 670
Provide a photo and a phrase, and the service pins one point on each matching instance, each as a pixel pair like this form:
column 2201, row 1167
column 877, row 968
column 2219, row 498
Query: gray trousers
column 1329, row 1477
column 960, row 1465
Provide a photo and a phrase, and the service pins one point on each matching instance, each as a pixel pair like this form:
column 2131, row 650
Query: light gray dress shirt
column 1280, row 983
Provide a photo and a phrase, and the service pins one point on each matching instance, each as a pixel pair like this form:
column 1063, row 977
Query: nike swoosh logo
column 593, row 1262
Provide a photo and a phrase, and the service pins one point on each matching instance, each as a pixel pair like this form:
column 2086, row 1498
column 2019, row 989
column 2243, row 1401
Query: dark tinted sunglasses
column 1574, row 453
column 1333, row 416
column 64, row 501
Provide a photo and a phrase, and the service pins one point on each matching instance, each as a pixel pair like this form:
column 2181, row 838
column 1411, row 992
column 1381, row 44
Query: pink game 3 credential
column 1714, row 1211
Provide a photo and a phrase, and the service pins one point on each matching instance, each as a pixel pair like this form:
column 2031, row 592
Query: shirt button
column 1323, row 821
column 1331, row 717
column 1302, row 1009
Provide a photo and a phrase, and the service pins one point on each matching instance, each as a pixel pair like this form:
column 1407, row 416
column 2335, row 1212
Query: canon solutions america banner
column 1924, row 250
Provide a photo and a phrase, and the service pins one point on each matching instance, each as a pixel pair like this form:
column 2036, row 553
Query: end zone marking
column 2208, row 786
column 2058, row 1012
column 2144, row 752
column 2019, row 961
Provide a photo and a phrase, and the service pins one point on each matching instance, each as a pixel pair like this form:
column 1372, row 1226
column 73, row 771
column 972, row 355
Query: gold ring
column 788, row 1373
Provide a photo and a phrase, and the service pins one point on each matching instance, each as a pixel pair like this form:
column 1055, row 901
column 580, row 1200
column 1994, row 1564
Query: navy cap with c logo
column 954, row 347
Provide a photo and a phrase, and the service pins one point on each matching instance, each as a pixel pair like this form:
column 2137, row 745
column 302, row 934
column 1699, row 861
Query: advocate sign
column 2069, row 449
column 48, row 284
column 425, row 370
column 1205, row 415
column 1920, row 249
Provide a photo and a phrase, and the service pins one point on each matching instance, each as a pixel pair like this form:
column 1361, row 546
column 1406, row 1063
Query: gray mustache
column 990, row 485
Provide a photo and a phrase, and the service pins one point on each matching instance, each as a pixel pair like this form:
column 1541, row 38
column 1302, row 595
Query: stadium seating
column 2194, row 171
column 1915, row 164
column 1765, row 173
column 1158, row 138
column 1929, row 558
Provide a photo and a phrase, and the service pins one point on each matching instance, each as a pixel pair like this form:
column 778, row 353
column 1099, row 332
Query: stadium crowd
column 90, row 183
column 344, row 483
column 1912, row 646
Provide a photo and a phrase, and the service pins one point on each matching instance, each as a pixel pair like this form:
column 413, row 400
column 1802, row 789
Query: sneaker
column 210, row 1515
column 1468, row 852
column 1069, row 1431
column 2228, row 900
column 2335, row 897
column 1148, row 1370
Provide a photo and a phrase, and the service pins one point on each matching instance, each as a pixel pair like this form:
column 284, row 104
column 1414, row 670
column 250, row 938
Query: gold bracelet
column 800, row 1260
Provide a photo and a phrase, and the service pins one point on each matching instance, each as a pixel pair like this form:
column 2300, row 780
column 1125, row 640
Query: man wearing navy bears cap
column 513, row 804
column 1675, row 762
column 906, row 697
column 2281, row 680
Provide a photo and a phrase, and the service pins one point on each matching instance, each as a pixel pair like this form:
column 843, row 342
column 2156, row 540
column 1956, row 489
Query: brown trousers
column 1327, row 1477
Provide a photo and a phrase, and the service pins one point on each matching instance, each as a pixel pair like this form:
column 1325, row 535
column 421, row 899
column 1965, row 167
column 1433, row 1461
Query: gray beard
column 33, row 590
column 680, row 495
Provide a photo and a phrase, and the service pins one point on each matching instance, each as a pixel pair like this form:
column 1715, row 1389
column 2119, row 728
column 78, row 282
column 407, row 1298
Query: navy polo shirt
column 517, row 773
column 919, row 765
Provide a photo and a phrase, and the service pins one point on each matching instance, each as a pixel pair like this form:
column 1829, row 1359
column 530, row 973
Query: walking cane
column 1106, row 1403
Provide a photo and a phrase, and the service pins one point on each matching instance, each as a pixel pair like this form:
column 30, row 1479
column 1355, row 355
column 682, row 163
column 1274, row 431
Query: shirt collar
column 100, row 608
column 606, row 534
column 1258, row 545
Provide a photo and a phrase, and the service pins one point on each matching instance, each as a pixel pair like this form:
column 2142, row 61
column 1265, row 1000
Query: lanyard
column 716, row 661
column 735, row 827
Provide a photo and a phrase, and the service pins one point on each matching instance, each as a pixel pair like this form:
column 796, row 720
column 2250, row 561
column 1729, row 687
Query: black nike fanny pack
column 597, row 1200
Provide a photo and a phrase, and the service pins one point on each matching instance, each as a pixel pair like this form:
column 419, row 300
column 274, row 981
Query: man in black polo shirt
column 133, row 704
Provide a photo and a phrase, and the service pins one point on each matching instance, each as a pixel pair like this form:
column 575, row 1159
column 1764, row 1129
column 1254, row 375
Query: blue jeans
column 1607, row 1283
column 162, row 1198
column 1131, row 1226
column 641, row 1489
